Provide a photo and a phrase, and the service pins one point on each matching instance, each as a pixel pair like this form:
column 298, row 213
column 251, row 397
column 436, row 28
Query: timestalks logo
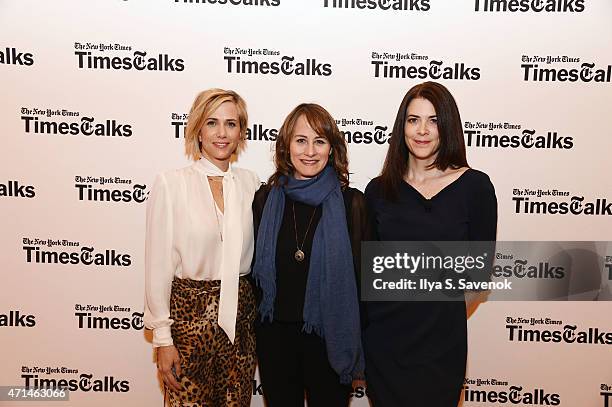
column 527, row 139
column 286, row 66
column 89, row 321
column 512, row 395
column 396, row 5
column 268, row 3
column 569, row 334
column 84, row 382
column 12, row 56
column 178, row 123
column 17, row 319
column 522, row 269
column 358, row 392
column 255, row 132
column 87, row 256
column 361, row 131
column 575, row 206
column 86, row 127
column 113, row 189
column 14, row 189
column 586, row 73
column 538, row 6
column 435, row 70
column 138, row 62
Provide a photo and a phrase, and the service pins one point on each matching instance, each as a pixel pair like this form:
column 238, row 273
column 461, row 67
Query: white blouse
column 183, row 236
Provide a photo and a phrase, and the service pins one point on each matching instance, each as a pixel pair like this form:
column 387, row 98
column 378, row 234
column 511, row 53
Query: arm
column 259, row 202
column 482, row 227
column 370, row 194
column 360, row 228
column 483, row 211
column 159, row 272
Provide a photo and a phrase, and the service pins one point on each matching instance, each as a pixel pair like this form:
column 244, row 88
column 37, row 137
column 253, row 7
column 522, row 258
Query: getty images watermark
column 506, row 271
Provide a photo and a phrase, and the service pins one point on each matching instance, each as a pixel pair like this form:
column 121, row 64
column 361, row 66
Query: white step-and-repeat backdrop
column 94, row 102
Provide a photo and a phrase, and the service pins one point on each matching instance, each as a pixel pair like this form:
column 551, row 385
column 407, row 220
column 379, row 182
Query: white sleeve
column 159, row 263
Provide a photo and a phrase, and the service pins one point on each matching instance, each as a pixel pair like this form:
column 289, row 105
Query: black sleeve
column 259, row 201
column 482, row 224
column 483, row 210
column 372, row 192
column 359, row 227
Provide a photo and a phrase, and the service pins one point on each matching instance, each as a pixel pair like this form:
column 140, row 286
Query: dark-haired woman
column 309, row 225
column 416, row 351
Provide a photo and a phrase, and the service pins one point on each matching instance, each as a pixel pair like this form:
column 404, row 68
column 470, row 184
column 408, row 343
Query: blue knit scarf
column 331, row 307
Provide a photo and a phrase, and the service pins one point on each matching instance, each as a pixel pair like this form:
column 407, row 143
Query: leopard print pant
column 215, row 372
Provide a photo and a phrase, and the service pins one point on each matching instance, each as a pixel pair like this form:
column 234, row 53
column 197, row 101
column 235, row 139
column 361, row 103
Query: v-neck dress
column 416, row 351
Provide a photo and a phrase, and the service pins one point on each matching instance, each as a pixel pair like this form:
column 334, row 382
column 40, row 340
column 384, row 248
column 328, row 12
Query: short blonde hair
column 203, row 106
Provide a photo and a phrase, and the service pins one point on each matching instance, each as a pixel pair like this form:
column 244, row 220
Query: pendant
column 299, row 255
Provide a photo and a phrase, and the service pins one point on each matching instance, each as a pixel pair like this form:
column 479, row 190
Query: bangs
column 320, row 122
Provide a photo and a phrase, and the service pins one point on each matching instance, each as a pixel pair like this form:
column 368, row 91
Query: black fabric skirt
column 415, row 353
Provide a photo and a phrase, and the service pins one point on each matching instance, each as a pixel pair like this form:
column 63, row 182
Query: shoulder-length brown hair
column 324, row 125
column 451, row 150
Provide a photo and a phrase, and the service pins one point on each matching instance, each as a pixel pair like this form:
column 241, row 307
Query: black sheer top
column 291, row 275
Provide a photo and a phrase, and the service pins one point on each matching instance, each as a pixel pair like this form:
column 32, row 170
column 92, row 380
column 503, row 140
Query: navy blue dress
column 416, row 351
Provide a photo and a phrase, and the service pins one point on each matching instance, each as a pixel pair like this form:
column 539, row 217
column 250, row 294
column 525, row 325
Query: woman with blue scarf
column 309, row 225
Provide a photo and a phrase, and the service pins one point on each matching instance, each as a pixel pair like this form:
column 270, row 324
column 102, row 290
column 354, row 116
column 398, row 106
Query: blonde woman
column 199, row 245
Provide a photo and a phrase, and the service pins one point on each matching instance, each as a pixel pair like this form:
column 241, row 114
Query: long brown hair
column 451, row 150
column 324, row 125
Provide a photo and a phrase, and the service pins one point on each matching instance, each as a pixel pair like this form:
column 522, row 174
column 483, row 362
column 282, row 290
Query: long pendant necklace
column 299, row 253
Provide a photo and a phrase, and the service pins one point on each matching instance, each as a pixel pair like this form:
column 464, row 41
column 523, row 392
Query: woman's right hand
column 168, row 360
